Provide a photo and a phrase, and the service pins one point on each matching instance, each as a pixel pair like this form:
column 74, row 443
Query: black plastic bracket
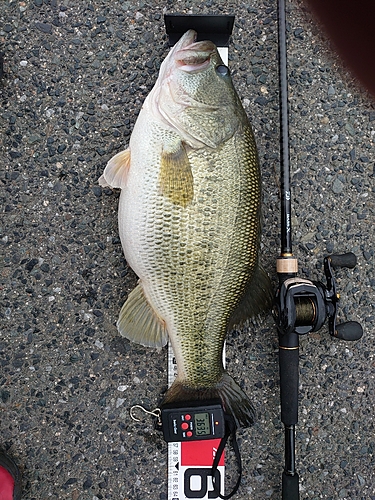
column 216, row 28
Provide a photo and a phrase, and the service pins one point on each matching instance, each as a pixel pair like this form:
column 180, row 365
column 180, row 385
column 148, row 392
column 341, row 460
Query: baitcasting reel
column 302, row 306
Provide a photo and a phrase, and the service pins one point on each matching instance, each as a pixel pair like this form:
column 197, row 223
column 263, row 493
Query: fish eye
column 222, row 70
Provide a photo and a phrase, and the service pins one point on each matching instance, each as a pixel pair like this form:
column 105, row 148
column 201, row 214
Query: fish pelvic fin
column 235, row 401
column 116, row 171
column 176, row 177
column 257, row 298
column 139, row 322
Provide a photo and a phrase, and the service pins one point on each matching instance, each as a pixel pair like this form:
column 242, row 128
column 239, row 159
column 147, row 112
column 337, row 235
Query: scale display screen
column 202, row 424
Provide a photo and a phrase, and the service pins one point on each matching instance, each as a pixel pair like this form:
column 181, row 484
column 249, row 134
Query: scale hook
column 155, row 413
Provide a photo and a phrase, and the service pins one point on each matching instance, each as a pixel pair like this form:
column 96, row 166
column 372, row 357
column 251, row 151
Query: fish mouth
column 192, row 56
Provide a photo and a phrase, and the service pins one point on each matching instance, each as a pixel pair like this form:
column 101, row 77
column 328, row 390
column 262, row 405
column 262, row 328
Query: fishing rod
column 301, row 306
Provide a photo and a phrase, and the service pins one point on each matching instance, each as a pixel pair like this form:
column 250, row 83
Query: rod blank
column 286, row 206
column 288, row 351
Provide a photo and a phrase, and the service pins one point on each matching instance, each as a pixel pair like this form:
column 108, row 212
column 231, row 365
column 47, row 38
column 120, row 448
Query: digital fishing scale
column 194, row 430
column 194, row 421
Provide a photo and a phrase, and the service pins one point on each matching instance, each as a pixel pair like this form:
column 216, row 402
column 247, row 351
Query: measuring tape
column 189, row 429
column 190, row 462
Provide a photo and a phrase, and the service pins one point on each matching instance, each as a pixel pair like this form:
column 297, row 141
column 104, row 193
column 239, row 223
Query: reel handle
column 351, row 331
column 343, row 260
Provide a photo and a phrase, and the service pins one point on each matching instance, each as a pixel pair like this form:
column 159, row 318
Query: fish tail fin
column 235, row 401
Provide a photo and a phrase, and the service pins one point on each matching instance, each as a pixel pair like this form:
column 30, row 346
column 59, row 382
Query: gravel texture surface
column 77, row 73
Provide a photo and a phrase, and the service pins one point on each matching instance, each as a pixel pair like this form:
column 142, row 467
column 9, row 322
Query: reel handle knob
column 343, row 260
column 351, row 330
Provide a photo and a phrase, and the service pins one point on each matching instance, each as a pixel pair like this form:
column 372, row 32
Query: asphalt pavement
column 76, row 74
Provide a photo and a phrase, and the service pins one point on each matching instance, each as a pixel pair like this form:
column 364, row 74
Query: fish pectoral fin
column 257, row 298
column 139, row 322
column 116, row 171
column 176, row 177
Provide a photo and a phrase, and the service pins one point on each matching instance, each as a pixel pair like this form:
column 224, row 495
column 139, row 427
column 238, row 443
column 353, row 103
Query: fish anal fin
column 176, row 177
column 256, row 299
column 139, row 322
column 116, row 171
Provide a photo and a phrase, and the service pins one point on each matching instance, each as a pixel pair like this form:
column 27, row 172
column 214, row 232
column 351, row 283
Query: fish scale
column 208, row 294
column 220, row 289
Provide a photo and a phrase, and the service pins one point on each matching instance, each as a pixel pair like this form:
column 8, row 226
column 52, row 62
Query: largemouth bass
column 189, row 222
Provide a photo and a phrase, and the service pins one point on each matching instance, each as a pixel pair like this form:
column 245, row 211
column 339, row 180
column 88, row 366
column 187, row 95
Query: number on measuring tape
column 198, row 482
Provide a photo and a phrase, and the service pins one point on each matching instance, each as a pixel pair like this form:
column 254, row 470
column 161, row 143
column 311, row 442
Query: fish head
column 194, row 93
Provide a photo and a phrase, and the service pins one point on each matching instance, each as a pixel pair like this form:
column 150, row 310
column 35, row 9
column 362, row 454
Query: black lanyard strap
column 230, row 430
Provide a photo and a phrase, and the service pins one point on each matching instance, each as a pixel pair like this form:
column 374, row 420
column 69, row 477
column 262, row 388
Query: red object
column 350, row 25
column 6, row 485
column 200, row 453
column 187, row 417
column 184, row 426
column 10, row 479
column 189, row 434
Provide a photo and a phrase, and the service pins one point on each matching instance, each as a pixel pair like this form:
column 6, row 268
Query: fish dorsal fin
column 139, row 322
column 257, row 298
column 116, row 171
column 176, row 177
